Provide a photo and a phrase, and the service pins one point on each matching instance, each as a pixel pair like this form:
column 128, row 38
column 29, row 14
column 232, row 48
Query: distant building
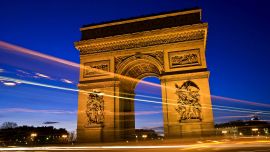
column 145, row 134
column 25, row 135
column 253, row 127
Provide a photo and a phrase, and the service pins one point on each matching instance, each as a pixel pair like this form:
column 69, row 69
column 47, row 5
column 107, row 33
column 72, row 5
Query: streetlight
column 254, row 130
column 224, row 131
column 33, row 135
column 144, row 136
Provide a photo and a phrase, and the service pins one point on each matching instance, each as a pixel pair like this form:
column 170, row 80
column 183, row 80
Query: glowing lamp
column 224, row 131
column 144, row 136
column 33, row 134
column 254, row 129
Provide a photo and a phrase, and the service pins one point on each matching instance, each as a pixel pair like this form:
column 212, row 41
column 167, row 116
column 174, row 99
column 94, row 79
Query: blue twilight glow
column 237, row 55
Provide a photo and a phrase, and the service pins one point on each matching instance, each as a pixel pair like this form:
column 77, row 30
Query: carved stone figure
column 95, row 109
column 188, row 101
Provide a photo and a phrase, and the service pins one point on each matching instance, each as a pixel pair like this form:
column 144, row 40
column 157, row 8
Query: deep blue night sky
column 237, row 53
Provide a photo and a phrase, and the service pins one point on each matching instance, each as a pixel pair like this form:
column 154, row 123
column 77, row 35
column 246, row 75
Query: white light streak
column 19, row 49
column 10, row 84
column 222, row 108
column 66, row 81
column 198, row 146
column 42, row 75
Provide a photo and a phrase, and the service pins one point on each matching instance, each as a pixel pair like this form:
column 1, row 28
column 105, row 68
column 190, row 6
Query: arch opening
column 148, row 115
column 137, row 103
column 138, row 68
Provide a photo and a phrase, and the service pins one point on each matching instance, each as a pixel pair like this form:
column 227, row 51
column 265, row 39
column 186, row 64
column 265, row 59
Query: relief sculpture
column 89, row 68
column 188, row 103
column 95, row 109
column 184, row 58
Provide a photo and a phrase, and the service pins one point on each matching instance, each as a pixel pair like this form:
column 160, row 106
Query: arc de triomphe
column 116, row 55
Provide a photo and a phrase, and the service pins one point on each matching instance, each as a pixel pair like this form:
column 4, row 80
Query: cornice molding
column 142, row 39
column 186, row 76
column 98, row 85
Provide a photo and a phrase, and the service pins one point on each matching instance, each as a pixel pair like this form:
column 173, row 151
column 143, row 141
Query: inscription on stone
column 184, row 58
column 101, row 66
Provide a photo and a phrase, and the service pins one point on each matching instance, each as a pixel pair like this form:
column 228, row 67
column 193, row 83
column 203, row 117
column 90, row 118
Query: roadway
column 210, row 145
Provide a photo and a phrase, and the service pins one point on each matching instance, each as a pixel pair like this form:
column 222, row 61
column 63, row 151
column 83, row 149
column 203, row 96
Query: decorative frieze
column 157, row 55
column 184, row 58
column 86, row 85
column 90, row 46
column 89, row 69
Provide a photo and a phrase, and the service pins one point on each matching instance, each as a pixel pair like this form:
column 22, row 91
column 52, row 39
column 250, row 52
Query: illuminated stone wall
column 112, row 65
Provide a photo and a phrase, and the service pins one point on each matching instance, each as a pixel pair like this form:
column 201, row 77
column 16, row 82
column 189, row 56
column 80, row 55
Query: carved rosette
column 188, row 103
column 95, row 110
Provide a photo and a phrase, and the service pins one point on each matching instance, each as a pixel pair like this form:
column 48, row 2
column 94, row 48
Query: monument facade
column 116, row 55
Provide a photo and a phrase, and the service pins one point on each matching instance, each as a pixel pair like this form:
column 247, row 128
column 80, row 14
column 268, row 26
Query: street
column 222, row 145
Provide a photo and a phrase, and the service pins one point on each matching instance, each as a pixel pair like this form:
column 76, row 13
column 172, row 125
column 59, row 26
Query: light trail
column 216, row 107
column 139, row 95
column 28, row 110
column 76, row 148
column 228, row 145
column 8, row 46
column 37, row 84
column 226, row 117
column 12, row 47
column 240, row 101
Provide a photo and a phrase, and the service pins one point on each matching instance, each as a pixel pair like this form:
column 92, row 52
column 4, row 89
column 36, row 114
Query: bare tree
column 6, row 125
column 72, row 136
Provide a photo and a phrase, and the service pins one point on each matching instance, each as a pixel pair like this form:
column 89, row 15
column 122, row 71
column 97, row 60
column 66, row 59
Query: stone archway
column 139, row 66
column 117, row 55
column 136, row 66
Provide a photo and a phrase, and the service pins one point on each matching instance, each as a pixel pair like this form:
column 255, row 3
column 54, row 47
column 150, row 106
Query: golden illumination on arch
column 173, row 51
